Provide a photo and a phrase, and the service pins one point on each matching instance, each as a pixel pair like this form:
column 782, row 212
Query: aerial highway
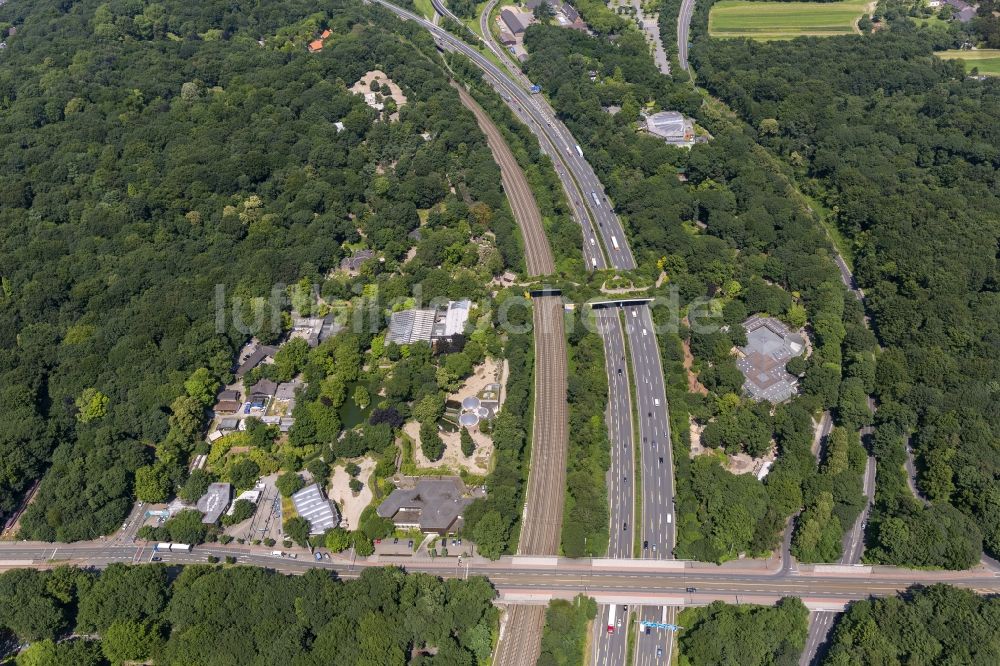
column 544, row 578
column 609, row 648
column 684, row 31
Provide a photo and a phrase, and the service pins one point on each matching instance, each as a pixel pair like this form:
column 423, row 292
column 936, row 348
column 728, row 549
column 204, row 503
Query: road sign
column 660, row 625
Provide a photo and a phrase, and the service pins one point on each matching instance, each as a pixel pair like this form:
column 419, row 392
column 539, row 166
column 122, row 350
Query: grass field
column 784, row 20
column 987, row 60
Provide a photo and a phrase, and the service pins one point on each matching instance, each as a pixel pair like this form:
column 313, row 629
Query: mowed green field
column 784, row 20
column 987, row 60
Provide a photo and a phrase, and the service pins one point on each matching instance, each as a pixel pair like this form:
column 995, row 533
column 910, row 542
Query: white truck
column 611, row 618
column 277, row 553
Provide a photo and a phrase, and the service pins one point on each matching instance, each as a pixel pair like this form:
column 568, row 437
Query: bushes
column 289, row 483
column 430, row 441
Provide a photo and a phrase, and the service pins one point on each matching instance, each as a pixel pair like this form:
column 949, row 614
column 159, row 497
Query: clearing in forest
column 987, row 60
column 784, row 20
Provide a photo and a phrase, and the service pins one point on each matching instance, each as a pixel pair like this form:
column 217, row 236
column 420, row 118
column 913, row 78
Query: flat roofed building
column 671, row 126
column 428, row 324
column 311, row 504
column 770, row 345
column 215, row 501
column 433, row 506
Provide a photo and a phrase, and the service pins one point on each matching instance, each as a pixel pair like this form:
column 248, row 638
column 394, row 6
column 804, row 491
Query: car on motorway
column 409, row 544
column 661, row 460
column 656, row 402
column 619, row 371
column 645, row 545
column 156, row 559
column 647, row 630
column 659, row 651
column 691, row 590
column 654, row 547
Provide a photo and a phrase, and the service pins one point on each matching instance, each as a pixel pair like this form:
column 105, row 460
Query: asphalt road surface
column 610, row 648
column 684, row 31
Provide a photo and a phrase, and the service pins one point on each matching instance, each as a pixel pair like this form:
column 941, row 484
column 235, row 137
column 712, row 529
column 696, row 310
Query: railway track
column 537, row 253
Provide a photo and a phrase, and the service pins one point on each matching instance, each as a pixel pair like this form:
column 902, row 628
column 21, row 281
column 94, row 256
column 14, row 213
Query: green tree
column 468, row 445
column 361, row 397
column 430, row 441
column 289, row 483
column 153, row 483
column 197, row 484
column 297, row 529
column 201, row 386
column 337, row 540
column 92, row 405
column 244, row 473
column 126, row 640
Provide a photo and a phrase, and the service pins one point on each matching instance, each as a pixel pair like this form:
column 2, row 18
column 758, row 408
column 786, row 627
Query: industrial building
column 428, row 324
column 671, row 126
column 311, row 504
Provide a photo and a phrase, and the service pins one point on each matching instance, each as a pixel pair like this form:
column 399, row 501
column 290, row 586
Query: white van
column 656, row 401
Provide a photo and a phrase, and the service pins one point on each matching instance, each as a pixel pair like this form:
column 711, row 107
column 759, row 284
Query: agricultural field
column 987, row 60
column 785, row 20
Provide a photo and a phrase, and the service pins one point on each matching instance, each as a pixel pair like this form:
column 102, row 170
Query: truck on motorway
column 579, row 150
column 614, row 242
column 611, row 618
column 593, row 262
column 593, row 195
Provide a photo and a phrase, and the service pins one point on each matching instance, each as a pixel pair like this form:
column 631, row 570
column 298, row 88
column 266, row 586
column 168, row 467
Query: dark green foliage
column 748, row 635
column 289, row 483
column 243, row 615
column 565, row 633
column 297, row 529
column 916, row 205
column 585, row 517
column 242, row 510
column 197, row 484
column 468, row 444
column 936, row 624
column 430, row 441
column 244, row 473
column 492, row 523
column 155, row 152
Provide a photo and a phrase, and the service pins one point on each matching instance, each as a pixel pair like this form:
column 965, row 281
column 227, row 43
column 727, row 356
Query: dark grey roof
column 570, row 12
column 256, row 358
column 264, row 387
column 317, row 509
column 514, row 22
column 228, row 395
column 436, row 504
column 770, row 345
column 215, row 501
column 353, row 262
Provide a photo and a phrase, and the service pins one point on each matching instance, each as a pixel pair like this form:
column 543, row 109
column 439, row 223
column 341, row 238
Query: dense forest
column 936, row 624
column 743, row 634
column 136, row 185
column 586, row 517
column 716, row 225
column 243, row 615
column 903, row 151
